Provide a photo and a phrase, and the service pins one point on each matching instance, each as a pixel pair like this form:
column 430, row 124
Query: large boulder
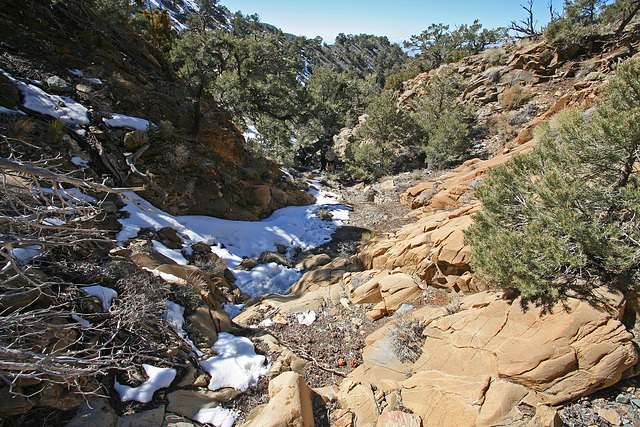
column 289, row 404
column 387, row 289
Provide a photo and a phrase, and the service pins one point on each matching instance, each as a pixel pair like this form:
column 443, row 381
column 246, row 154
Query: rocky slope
column 402, row 334
column 74, row 52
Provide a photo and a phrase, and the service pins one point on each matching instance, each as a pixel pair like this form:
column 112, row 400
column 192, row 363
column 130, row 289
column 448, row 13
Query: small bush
column 210, row 263
column 382, row 140
column 406, row 337
column 515, row 96
column 495, row 56
column 369, row 161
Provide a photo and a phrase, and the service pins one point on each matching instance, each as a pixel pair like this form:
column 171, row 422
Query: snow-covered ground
column 236, row 365
column 60, row 107
column 293, row 226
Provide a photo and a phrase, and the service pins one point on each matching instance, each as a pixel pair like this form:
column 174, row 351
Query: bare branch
column 527, row 25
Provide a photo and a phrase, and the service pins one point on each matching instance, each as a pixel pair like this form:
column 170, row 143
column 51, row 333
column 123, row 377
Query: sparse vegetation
column 515, row 96
column 406, row 337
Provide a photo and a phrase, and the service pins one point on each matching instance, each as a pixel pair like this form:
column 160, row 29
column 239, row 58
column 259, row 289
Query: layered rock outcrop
column 498, row 362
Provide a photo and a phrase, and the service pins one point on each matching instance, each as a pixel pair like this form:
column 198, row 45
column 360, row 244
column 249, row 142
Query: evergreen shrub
column 567, row 215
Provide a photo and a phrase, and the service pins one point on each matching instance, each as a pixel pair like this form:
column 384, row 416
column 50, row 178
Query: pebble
column 636, row 402
column 622, row 399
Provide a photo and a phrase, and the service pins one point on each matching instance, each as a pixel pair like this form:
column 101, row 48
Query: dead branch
column 9, row 165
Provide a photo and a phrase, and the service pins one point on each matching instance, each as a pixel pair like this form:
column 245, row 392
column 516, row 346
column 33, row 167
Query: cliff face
column 70, row 50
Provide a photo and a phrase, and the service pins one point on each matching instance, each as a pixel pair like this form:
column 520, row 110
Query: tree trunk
column 197, row 109
column 628, row 19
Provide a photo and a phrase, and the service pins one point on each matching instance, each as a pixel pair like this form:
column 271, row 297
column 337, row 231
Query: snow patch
column 237, row 365
column 76, row 72
column 122, row 121
column 219, row 417
column 158, row 378
column 79, row 161
column 53, row 221
column 84, row 322
column 104, row 294
column 232, row 309
column 62, row 108
column 4, row 110
column 266, row 323
column 167, row 277
column 293, row 226
column 173, row 254
column 307, row 318
column 267, row 278
column 25, row 254
column 174, row 315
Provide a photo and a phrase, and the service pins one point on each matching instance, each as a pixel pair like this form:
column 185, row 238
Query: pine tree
column 567, row 214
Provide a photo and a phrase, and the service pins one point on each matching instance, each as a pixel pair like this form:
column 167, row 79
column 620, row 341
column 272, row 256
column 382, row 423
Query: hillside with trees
column 173, row 254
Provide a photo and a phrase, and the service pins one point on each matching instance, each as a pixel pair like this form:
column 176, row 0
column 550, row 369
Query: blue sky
column 396, row 19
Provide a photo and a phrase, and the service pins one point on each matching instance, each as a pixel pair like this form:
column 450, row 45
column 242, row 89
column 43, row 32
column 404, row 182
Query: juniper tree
column 567, row 214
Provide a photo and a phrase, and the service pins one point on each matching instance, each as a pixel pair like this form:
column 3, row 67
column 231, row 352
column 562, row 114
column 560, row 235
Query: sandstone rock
column 188, row 402
column 289, row 403
column 389, row 290
column 342, row 140
column 399, row 419
column 309, row 261
column 9, row 93
column 57, row 82
column 396, row 289
column 610, row 415
column 208, row 323
column 10, row 302
column 486, row 361
column 148, row 258
column 151, row 418
column 94, row 413
column 135, row 139
column 433, row 245
column 364, row 287
column 170, row 238
column 359, row 399
column 287, row 361
column 58, row 396
column 546, row 416
column 328, row 393
column 387, row 185
column 267, row 257
column 326, row 276
column 247, row 264
column 172, row 420
column 83, row 88
column 434, row 396
column 261, row 197
column 501, row 398
column 381, row 366
column 201, row 248
column 211, row 287
column 343, row 418
column 12, row 404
